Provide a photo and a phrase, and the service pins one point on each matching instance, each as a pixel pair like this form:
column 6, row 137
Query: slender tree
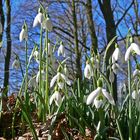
column 8, row 50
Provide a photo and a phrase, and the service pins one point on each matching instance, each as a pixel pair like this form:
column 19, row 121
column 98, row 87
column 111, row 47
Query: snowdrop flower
column 115, row 67
column 115, row 55
column 133, row 47
column 88, row 72
column 60, row 78
column 135, row 94
column 98, row 94
column 23, row 34
column 98, row 102
column 39, row 18
column 43, row 76
column 61, row 50
column 0, row 28
column 56, row 97
column 16, row 64
column 47, row 24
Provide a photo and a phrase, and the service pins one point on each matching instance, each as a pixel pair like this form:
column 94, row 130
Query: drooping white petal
column 134, row 95
column 136, row 48
column 22, row 35
column 54, row 79
column 0, row 28
column 108, row 96
column 115, row 68
column 38, row 19
column 93, row 95
column 56, row 97
column 38, row 75
column 61, row 50
column 98, row 103
column 88, row 71
column 60, row 85
column 115, row 55
column 66, row 71
column 127, row 54
column 66, row 79
column 47, row 24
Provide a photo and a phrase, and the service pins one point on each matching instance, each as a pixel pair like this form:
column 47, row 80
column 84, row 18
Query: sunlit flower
column 56, row 97
column 115, row 55
column 0, row 28
column 61, row 50
column 98, row 103
column 98, row 94
column 60, row 78
column 88, row 72
column 133, row 47
column 38, row 19
column 23, row 34
column 16, row 64
column 43, row 76
column 47, row 24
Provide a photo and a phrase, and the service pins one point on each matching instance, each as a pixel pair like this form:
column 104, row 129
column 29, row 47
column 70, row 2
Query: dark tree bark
column 2, row 19
column 105, row 6
column 77, row 52
column 8, row 51
column 91, row 27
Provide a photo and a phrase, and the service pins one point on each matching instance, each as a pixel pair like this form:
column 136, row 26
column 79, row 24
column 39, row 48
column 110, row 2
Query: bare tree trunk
column 77, row 52
column 2, row 20
column 8, row 51
column 94, row 41
column 105, row 6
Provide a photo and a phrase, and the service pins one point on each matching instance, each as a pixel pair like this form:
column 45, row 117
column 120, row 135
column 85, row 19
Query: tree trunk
column 8, row 51
column 78, row 54
column 107, row 12
column 91, row 28
column 2, row 20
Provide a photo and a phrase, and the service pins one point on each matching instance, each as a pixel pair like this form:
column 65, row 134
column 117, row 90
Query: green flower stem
column 47, row 73
column 101, row 117
column 40, row 74
column 130, row 111
column 26, row 73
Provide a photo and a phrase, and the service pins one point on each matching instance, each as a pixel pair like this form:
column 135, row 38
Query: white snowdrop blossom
column 23, row 35
column 0, row 28
column 97, row 93
column 115, row 55
column 135, row 94
column 66, row 70
column 56, row 97
column 43, row 76
column 133, row 47
column 98, row 103
column 16, row 64
column 88, row 72
column 61, row 50
column 60, row 78
column 38, row 19
column 47, row 24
